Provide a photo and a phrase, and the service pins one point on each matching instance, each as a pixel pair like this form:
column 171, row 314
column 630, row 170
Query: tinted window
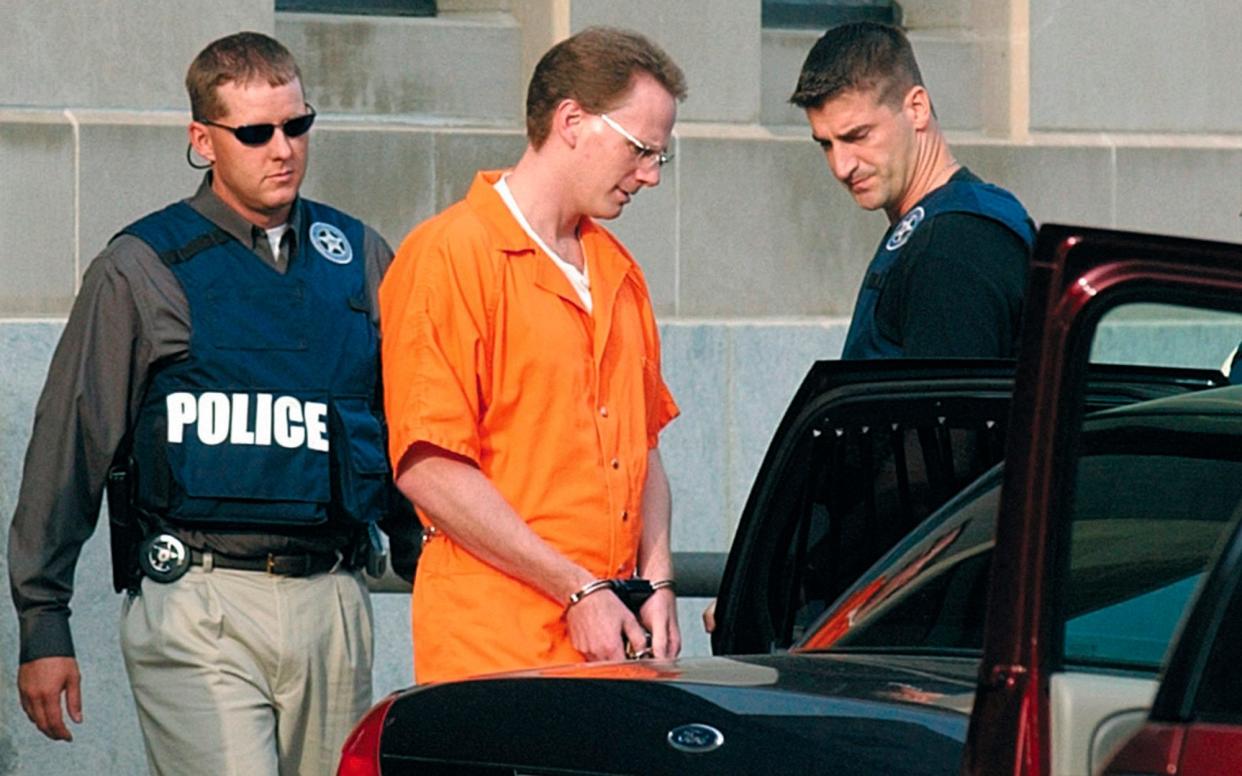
column 1145, row 528
column 1219, row 697
column 932, row 594
column 849, row 493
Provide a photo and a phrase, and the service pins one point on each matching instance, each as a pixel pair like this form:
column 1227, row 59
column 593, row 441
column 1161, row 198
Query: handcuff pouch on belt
column 124, row 530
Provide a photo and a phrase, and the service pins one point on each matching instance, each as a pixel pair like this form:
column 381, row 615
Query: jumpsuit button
column 603, row 412
column 615, row 463
column 625, row 515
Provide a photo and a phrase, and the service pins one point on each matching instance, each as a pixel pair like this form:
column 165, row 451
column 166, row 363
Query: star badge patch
column 331, row 243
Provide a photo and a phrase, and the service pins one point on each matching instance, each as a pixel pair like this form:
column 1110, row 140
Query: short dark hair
column 240, row 58
column 862, row 56
column 595, row 67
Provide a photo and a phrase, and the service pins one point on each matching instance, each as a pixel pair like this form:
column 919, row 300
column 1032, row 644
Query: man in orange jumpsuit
column 523, row 386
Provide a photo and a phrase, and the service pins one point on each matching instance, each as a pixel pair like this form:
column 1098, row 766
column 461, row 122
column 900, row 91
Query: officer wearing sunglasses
column 260, row 134
column 219, row 371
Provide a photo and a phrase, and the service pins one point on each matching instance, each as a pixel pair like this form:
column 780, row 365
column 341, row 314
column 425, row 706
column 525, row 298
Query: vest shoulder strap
column 194, row 247
column 177, row 233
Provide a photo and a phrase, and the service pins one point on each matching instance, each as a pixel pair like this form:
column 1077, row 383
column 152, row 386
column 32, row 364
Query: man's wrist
column 668, row 583
column 594, row 586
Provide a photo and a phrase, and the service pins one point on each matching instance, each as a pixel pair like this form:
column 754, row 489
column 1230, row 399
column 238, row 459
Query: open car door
column 865, row 452
column 1077, row 275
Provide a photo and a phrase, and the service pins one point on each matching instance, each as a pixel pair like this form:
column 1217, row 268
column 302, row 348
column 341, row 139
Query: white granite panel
column 459, row 155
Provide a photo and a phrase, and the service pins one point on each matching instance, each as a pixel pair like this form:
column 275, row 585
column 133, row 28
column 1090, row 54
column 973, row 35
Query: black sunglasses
column 259, row 134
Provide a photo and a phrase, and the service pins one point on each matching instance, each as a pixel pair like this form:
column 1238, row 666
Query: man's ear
column 917, row 106
column 568, row 121
column 200, row 141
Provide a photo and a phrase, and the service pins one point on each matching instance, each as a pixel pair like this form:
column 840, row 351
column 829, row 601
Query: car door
column 1077, row 276
column 865, row 451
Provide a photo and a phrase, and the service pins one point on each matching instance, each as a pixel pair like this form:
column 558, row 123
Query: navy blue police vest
column 864, row 339
column 270, row 419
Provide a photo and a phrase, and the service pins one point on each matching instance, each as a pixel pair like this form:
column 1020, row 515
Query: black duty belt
column 164, row 558
column 303, row 565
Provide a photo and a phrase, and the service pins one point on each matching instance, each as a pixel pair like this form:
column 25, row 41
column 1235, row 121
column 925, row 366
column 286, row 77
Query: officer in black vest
column 220, row 368
column 949, row 275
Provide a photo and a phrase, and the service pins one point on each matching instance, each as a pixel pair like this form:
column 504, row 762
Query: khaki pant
column 242, row 672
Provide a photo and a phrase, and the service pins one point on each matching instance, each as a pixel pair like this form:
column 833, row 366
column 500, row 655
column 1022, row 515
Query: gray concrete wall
column 949, row 59
column 1135, row 66
column 720, row 37
column 117, row 54
column 464, row 68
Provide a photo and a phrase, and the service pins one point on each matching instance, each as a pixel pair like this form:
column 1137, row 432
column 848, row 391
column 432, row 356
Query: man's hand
column 600, row 626
column 659, row 615
column 709, row 617
column 40, row 683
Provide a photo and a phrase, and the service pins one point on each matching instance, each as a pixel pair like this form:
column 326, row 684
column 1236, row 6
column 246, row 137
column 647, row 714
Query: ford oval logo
column 695, row 738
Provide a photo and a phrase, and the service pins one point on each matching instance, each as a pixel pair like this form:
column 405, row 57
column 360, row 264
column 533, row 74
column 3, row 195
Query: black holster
column 125, row 529
column 368, row 553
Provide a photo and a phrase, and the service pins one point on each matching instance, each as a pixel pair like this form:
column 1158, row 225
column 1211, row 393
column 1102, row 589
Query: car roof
column 1212, row 405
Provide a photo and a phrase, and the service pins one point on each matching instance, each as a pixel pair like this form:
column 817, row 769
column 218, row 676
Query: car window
column 850, row 493
column 1135, row 631
column 1144, row 530
column 930, row 593
column 1219, row 696
column 854, row 471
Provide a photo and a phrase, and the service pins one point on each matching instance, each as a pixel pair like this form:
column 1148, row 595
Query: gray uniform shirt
column 130, row 316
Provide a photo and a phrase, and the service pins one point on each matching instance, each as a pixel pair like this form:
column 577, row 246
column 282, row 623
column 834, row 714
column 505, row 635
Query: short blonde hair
column 241, row 58
column 596, row 68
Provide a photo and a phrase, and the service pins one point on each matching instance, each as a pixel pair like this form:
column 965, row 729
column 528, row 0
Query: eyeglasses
column 649, row 156
column 260, row 134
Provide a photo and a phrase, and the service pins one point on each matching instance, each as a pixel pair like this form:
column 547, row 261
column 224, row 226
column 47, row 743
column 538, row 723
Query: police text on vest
column 220, row 417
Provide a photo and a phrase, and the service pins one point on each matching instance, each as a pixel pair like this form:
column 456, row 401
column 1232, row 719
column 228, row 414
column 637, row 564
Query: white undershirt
column 274, row 236
column 579, row 279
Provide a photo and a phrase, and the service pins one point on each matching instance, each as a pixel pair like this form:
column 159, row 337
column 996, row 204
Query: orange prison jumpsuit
column 489, row 354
